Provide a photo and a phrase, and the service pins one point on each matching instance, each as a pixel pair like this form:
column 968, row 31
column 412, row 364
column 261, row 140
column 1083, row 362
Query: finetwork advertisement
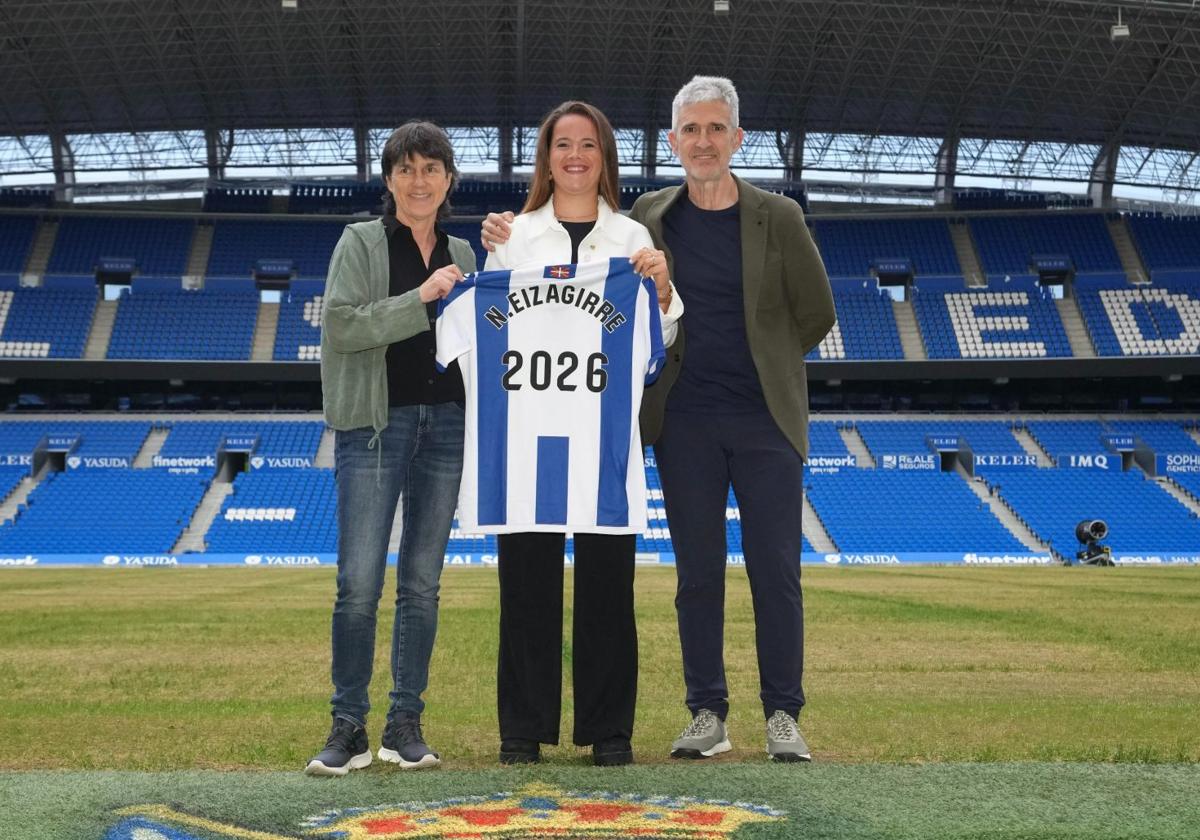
column 830, row 464
column 184, row 464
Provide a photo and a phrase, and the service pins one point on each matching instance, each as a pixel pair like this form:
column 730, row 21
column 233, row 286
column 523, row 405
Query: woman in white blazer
column 572, row 216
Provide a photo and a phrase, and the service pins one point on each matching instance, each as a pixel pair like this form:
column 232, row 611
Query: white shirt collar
column 542, row 219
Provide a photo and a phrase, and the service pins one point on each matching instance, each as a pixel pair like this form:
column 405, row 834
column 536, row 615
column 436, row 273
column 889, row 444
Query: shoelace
column 342, row 736
column 782, row 728
column 407, row 730
column 700, row 724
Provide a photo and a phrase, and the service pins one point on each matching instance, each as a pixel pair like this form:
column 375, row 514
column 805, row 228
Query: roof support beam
column 362, row 153
column 1104, row 172
column 947, row 168
column 64, row 167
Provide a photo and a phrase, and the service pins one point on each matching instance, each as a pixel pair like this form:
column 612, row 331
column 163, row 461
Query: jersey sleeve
column 454, row 331
column 658, row 353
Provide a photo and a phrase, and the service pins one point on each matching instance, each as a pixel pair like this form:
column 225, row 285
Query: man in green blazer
column 731, row 407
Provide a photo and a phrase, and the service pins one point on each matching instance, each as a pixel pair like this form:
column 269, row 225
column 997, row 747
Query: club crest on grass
column 534, row 811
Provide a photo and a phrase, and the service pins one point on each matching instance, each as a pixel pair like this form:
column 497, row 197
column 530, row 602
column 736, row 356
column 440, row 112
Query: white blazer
column 538, row 239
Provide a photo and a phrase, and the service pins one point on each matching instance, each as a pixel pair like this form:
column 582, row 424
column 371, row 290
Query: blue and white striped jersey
column 554, row 361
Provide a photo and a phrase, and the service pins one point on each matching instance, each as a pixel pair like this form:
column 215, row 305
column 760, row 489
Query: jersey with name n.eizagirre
column 554, row 361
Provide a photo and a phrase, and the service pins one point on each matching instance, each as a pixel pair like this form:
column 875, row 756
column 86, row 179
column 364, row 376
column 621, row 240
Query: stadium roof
column 1016, row 69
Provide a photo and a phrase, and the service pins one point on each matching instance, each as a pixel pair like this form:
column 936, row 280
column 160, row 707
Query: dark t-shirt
column 718, row 373
column 577, row 231
column 412, row 374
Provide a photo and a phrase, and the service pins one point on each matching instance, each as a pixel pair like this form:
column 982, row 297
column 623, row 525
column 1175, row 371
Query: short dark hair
column 424, row 139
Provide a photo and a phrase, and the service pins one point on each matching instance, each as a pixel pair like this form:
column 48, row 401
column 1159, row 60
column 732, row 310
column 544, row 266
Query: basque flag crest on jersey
column 554, row 361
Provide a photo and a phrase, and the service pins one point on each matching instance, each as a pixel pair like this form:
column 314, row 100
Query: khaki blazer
column 789, row 305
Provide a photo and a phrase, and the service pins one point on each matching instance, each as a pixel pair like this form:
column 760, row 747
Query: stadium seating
column 237, row 244
column 278, row 511
column 204, row 437
column 16, row 238
column 10, row 477
column 159, row 247
column 183, row 324
column 1017, row 323
column 298, row 335
column 823, row 439
column 1162, row 319
column 1141, row 516
column 45, row 323
column 26, row 197
column 865, row 328
column 237, row 200
column 909, row 436
column 849, row 247
column 1005, row 243
column 873, row 511
column 1068, row 437
column 1166, row 243
column 104, row 511
column 336, row 199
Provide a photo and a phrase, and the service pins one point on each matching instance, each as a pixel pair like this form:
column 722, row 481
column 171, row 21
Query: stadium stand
column 82, row 511
column 336, row 199
column 1141, row 516
column 823, row 439
column 45, row 322
column 204, row 437
column 1061, row 438
column 910, row 436
column 278, row 511
column 238, row 244
column 1162, row 319
column 10, row 477
column 1006, row 243
column 298, row 334
column 159, row 247
column 1166, row 243
column 849, row 247
column 1016, row 320
column 183, row 324
column 886, row 510
column 237, row 200
column 865, row 329
column 26, row 197
column 16, row 238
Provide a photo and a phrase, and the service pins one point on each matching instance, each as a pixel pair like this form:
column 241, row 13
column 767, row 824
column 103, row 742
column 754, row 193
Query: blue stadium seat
column 238, row 244
column 848, row 247
column 158, row 246
column 45, row 323
column 184, row 324
column 16, row 238
column 1141, row 516
column 278, row 511
column 865, row 329
column 1005, row 243
column 871, row 511
column 1019, row 323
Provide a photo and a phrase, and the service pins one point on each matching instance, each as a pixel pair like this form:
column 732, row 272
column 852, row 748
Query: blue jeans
column 419, row 466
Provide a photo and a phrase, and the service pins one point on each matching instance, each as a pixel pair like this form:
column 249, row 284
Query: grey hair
column 706, row 89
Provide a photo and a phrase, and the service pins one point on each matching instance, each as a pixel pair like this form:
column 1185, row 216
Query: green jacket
column 361, row 319
column 789, row 306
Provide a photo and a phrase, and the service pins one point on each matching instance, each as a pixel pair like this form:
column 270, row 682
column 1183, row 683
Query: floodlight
column 290, row 5
column 1120, row 30
column 720, row 7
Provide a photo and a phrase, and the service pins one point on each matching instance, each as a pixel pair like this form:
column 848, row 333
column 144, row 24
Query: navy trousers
column 699, row 457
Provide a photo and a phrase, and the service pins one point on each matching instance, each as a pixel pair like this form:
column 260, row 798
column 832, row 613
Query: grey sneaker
column 705, row 736
column 784, row 741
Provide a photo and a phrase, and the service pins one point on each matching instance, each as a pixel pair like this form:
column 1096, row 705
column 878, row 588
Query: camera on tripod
column 1089, row 532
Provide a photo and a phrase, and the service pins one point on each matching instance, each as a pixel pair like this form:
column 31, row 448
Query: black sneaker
column 346, row 749
column 612, row 752
column 520, row 751
column 403, row 743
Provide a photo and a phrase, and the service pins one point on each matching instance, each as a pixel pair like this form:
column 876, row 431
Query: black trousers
column 604, row 652
column 699, row 456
